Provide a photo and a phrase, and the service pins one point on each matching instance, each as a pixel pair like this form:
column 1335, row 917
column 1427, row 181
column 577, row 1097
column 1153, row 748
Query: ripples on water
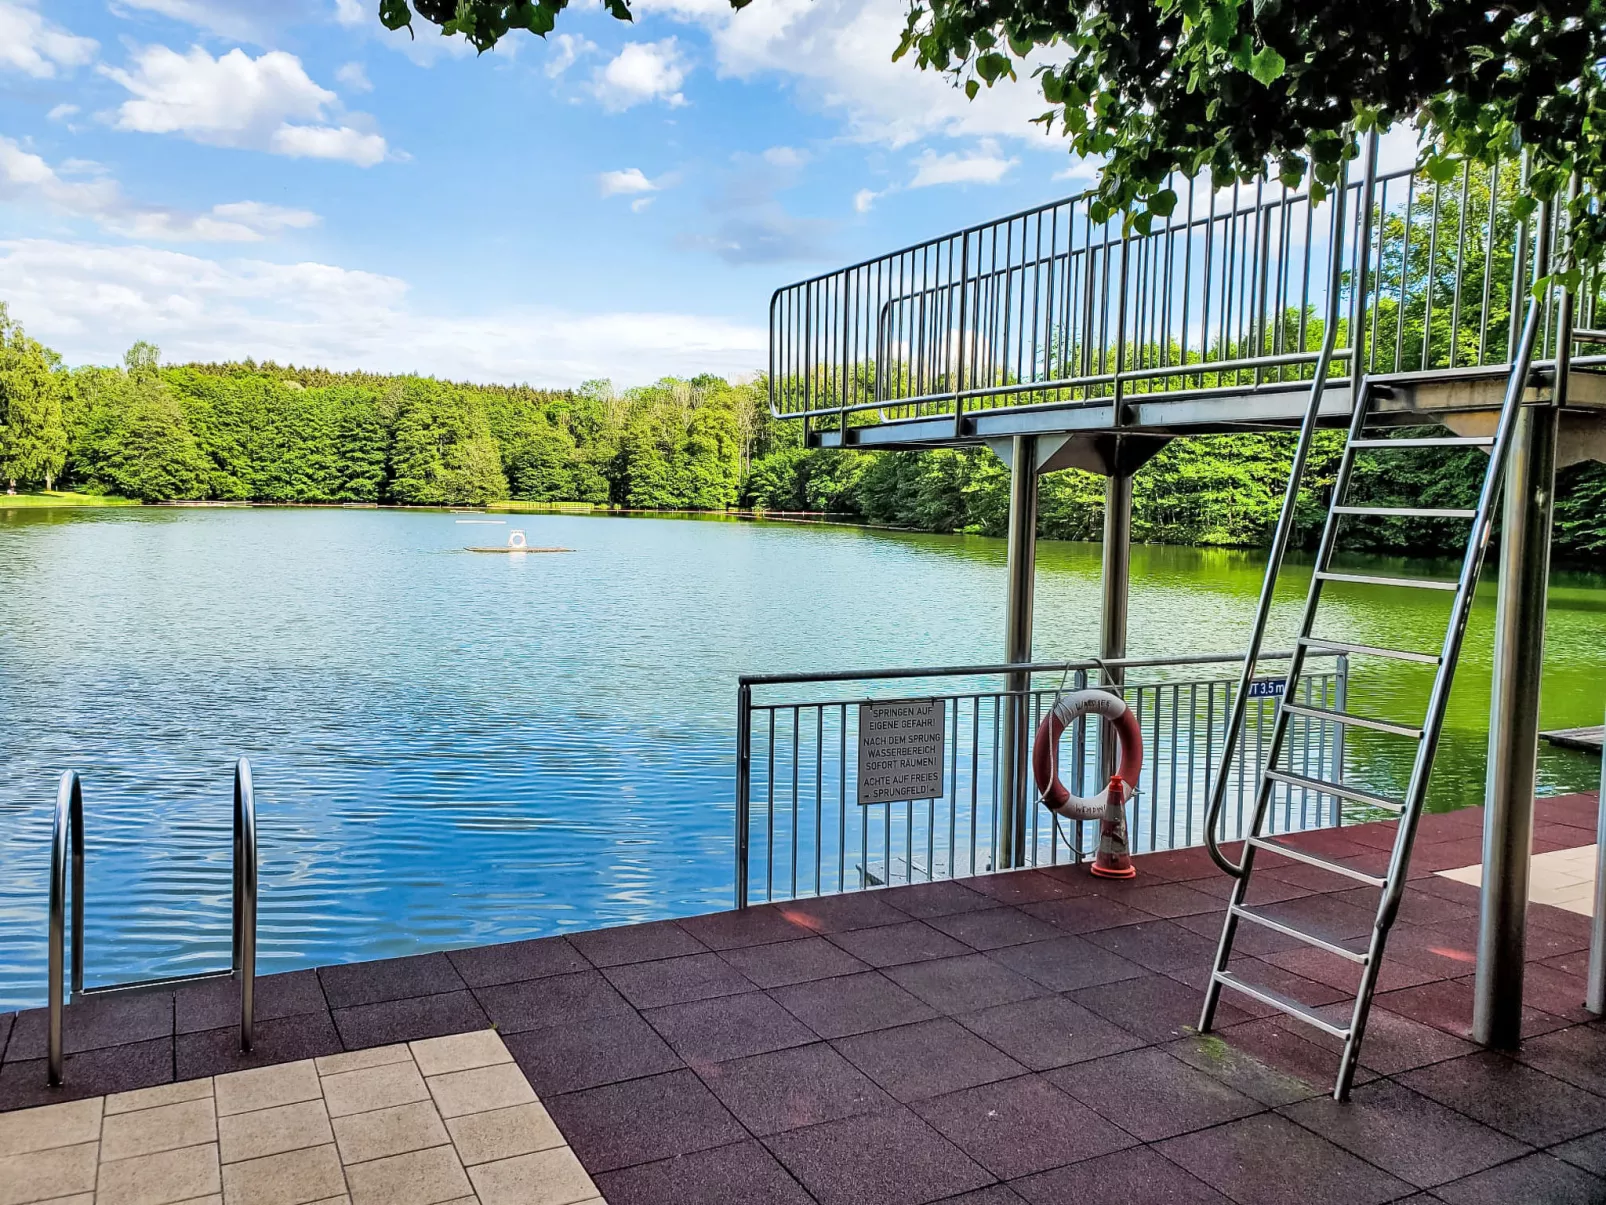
column 454, row 748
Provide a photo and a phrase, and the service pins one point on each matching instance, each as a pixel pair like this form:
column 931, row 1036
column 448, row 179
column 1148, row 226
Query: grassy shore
column 62, row 498
column 522, row 508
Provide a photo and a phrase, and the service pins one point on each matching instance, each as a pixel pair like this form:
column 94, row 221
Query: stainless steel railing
column 1229, row 294
column 67, row 840
column 801, row 830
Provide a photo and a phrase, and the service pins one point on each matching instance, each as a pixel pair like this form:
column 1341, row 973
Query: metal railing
column 68, row 830
column 1227, row 295
column 801, row 830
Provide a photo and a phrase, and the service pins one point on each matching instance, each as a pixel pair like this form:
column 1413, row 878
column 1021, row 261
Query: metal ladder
column 68, row 830
column 1425, row 735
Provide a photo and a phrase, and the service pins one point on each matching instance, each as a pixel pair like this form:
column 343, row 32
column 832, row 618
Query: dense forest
column 271, row 433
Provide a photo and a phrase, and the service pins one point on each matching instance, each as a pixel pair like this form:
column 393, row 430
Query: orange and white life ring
column 1045, row 753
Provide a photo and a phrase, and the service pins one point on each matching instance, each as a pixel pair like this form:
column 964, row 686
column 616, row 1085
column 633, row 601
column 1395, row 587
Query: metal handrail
column 68, row 830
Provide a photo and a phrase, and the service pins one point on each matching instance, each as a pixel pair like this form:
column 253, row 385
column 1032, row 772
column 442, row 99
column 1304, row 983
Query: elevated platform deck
column 1016, row 1037
column 1464, row 399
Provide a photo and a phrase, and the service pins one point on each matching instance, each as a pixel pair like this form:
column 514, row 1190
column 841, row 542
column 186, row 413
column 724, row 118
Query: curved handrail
column 68, row 829
column 245, row 897
column 68, row 826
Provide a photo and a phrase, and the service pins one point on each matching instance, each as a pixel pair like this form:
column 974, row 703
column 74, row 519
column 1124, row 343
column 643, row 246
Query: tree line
column 272, row 433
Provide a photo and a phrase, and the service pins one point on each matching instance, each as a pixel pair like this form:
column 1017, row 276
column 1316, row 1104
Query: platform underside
column 1466, row 400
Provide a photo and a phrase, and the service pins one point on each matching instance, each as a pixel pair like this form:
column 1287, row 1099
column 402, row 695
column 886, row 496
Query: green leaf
column 394, row 14
column 972, row 88
column 1267, row 66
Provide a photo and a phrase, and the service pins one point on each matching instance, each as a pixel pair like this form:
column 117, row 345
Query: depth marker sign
column 900, row 751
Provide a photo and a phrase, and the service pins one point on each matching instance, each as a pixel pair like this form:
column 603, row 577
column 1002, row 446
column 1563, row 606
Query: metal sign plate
column 900, row 750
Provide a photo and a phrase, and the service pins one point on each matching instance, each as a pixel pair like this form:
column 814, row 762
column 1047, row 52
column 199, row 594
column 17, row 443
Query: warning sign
column 900, row 751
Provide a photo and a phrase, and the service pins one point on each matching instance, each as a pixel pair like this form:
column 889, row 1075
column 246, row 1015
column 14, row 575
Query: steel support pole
column 1514, row 726
column 1022, row 566
column 1595, row 989
column 1115, row 582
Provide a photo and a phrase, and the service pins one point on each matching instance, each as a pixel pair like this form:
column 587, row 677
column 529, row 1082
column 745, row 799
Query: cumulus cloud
column 91, row 301
column 355, row 77
column 37, row 47
column 984, row 165
column 641, row 72
column 864, row 200
column 351, row 12
column 630, row 180
column 567, row 49
column 26, row 178
column 839, row 53
column 264, row 103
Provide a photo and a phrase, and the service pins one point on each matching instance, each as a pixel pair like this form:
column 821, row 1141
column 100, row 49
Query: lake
column 454, row 748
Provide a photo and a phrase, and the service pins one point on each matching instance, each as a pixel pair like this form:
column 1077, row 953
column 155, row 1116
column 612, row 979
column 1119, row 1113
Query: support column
column 1514, row 726
column 1115, row 583
column 1015, row 804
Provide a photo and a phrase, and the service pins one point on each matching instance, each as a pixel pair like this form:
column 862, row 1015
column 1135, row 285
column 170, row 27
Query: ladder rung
column 1367, row 579
column 1332, row 788
column 1282, row 1003
column 1310, row 939
column 1584, row 335
column 1368, row 650
column 1299, row 855
column 1354, row 721
column 1428, row 441
column 1405, row 512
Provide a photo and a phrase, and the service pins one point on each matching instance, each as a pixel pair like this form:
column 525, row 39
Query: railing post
column 744, row 766
column 1595, row 995
column 1021, row 572
column 959, row 353
column 245, row 898
column 67, row 831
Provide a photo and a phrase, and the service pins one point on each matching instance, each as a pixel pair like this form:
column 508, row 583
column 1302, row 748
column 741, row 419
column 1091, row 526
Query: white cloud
column 567, row 48
column 265, row 103
column 248, row 20
column 90, row 302
column 37, row 47
column 641, row 72
column 639, row 205
column 354, row 77
column 630, row 180
column 785, row 156
column 984, row 165
column 26, row 178
column 839, row 53
column 864, row 199
column 61, row 112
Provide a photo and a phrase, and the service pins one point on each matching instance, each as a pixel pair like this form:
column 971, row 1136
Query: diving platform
column 1412, row 313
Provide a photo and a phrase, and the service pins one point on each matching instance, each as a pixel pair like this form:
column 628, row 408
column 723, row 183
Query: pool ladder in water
column 1425, row 737
column 68, row 829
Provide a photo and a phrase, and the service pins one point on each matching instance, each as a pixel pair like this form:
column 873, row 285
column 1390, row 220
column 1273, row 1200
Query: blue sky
column 284, row 179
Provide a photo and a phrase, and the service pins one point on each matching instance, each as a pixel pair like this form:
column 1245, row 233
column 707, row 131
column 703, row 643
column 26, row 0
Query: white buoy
column 515, row 539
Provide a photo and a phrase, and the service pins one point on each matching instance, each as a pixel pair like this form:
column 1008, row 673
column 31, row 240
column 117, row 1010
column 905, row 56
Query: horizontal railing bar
column 1282, row 1003
column 1317, row 644
column 1309, row 859
column 1426, row 441
column 1406, row 512
column 1585, row 335
column 1352, row 720
column 965, row 671
column 1368, row 579
column 150, row 985
column 1323, row 787
column 1309, row 938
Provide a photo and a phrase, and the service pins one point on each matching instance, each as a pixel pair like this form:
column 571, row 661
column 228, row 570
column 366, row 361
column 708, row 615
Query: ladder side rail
column 1460, row 612
column 1240, row 890
column 67, row 830
column 245, row 898
column 1284, row 533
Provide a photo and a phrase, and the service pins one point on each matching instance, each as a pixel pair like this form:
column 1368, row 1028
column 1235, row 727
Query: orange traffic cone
column 1114, row 861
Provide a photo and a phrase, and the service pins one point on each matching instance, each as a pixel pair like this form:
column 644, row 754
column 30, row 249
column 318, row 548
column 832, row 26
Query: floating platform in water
column 521, row 548
column 1589, row 740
